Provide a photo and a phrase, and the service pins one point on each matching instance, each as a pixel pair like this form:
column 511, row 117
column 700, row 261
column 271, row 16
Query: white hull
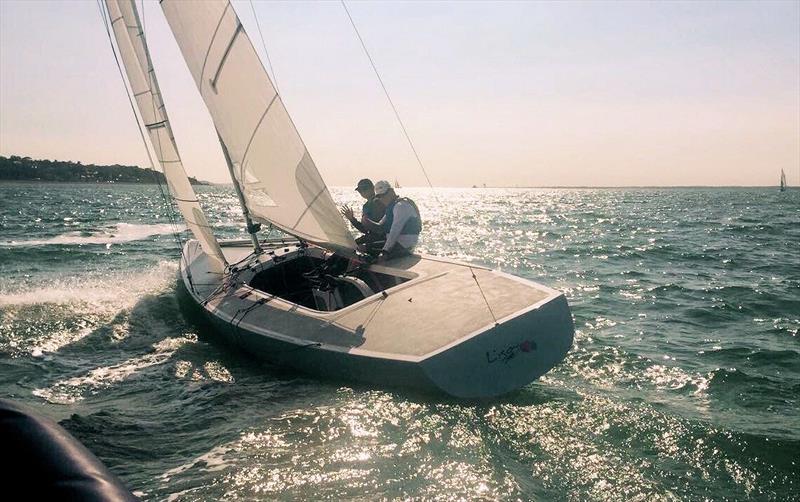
column 429, row 332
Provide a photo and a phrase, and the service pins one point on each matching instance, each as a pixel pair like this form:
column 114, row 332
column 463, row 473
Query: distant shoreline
column 90, row 182
column 17, row 169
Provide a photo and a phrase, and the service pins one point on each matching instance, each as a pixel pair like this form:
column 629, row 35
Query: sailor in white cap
column 402, row 222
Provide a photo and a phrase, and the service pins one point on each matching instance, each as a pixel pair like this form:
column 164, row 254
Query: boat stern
column 506, row 356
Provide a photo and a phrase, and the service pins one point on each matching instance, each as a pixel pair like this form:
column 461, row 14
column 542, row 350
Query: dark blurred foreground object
column 45, row 462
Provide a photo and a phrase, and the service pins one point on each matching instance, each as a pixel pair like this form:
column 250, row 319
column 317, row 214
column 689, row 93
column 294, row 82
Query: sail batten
column 271, row 165
column 225, row 54
column 144, row 86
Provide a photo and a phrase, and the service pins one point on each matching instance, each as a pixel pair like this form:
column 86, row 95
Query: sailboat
column 783, row 181
column 310, row 301
column 396, row 184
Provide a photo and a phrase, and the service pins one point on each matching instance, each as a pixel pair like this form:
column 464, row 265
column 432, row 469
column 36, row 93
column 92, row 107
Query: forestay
column 141, row 76
column 280, row 182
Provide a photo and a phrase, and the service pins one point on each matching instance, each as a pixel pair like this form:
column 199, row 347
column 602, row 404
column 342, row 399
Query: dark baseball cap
column 364, row 184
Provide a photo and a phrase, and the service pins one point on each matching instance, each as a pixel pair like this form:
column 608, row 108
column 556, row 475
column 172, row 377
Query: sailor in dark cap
column 372, row 210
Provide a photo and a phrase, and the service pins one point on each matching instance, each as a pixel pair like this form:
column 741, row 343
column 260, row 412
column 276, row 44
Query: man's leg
column 397, row 251
column 372, row 242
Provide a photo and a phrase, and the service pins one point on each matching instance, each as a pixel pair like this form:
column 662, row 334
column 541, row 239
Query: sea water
column 683, row 381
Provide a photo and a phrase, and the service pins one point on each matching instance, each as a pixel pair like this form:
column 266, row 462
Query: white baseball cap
column 382, row 187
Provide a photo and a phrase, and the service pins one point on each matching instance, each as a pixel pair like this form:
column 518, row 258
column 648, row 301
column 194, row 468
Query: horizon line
column 153, row 168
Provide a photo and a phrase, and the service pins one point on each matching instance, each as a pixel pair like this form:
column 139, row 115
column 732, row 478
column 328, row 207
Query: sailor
column 402, row 222
column 372, row 210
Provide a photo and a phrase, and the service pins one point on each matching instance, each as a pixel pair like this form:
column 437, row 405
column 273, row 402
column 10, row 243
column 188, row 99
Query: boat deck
column 439, row 306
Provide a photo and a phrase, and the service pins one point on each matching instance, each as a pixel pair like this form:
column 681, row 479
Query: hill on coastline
column 15, row 168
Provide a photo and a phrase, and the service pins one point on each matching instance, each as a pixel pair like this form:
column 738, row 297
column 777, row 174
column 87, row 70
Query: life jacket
column 413, row 225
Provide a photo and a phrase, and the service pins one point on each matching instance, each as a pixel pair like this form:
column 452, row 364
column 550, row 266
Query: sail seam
column 255, row 130
column 310, row 204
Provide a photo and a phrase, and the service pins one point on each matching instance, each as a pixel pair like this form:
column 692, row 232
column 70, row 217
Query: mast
column 252, row 228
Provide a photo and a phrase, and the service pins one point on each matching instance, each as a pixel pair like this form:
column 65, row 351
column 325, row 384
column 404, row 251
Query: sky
column 503, row 93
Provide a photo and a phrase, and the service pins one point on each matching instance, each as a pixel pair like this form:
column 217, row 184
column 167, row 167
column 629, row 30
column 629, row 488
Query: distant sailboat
column 783, row 181
column 416, row 321
column 396, row 184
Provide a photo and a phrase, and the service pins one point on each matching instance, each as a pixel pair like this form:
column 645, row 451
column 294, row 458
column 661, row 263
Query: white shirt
column 402, row 211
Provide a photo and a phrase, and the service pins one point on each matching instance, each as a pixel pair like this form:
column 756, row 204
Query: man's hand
column 347, row 212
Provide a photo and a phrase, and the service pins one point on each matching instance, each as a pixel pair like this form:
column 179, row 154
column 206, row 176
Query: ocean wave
column 751, row 390
column 735, row 379
column 43, row 320
column 72, row 390
column 123, row 288
column 119, row 233
column 609, row 367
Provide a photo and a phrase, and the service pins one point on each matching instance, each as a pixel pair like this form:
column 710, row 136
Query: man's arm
column 347, row 212
column 373, row 226
column 359, row 226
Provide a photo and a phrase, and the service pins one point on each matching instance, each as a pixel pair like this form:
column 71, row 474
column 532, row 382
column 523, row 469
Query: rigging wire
column 386, row 92
column 410, row 143
column 264, row 45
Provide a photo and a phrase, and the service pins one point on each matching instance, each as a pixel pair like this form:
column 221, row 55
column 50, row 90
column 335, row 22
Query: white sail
column 280, row 182
column 783, row 180
column 141, row 76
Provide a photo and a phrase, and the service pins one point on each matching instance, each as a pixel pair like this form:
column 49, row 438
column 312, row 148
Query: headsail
column 141, row 76
column 280, row 182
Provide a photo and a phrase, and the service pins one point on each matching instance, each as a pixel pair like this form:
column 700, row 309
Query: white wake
column 119, row 233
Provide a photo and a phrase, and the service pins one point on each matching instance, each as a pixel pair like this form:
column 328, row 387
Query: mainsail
column 280, row 183
column 783, row 180
column 141, row 76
